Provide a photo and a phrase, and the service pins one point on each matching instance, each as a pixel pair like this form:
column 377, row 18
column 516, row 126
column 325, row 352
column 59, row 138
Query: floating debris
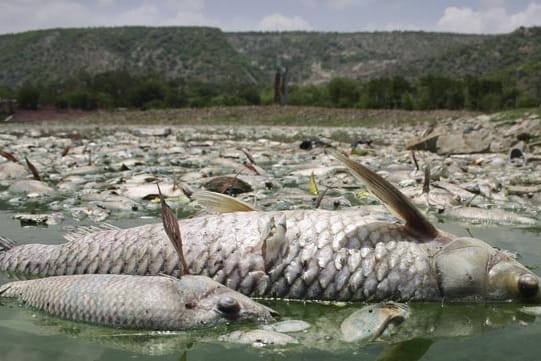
column 39, row 219
column 372, row 321
column 228, row 185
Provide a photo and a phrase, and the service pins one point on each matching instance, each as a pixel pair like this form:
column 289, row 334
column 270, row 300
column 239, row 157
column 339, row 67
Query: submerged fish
column 370, row 322
column 301, row 254
column 137, row 302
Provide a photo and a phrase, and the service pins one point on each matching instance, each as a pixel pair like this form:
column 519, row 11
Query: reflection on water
column 434, row 332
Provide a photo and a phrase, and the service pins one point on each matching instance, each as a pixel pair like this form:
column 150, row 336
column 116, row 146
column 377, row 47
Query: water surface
column 439, row 332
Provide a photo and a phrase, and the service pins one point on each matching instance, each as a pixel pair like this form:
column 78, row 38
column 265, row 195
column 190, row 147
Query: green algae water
column 433, row 332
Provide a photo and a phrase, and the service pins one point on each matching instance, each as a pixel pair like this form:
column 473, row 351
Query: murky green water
column 434, row 332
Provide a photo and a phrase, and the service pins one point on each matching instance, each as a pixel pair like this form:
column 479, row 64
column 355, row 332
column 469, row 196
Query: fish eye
column 528, row 285
column 228, row 305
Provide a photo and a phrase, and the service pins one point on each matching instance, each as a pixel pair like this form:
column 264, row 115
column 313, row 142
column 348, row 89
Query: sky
column 481, row 16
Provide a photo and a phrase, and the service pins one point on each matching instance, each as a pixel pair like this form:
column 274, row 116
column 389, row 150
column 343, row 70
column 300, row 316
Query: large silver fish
column 325, row 255
column 138, row 302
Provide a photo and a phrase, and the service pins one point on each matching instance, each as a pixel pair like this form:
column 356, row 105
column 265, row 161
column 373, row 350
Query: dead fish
column 258, row 338
column 156, row 302
column 137, row 302
column 350, row 255
column 485, row 216
column 370, row 322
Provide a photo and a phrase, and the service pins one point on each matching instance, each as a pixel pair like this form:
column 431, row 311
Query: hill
column 209, row 55
column 191, row 53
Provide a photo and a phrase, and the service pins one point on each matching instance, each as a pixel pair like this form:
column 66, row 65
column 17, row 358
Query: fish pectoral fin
column 81, row 231
column 274, row 246
column 416, row 223
column 221, row 203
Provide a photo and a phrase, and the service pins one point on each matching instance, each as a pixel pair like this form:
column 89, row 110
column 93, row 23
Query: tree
column 28, row 97
column 343, row 92
column 149, row 92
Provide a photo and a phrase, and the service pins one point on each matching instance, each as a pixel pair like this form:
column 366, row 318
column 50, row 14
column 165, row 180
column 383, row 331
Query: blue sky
column 483, row 16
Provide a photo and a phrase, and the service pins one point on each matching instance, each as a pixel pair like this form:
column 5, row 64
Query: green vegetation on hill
column 144, row 67
column 190, row 53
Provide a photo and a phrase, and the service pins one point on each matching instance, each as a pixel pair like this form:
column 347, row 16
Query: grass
column 510, row 115
column 289, row 116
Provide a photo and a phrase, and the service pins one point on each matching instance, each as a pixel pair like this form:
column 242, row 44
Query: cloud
column 36, row 14
column 25, row 15
column 279, row 22
column 488, row 19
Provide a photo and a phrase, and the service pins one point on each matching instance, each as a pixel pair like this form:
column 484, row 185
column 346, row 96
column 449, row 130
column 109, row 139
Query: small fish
column 137, row 302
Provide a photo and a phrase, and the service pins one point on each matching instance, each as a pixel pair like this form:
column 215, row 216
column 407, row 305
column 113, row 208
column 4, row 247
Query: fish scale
column 227, row 247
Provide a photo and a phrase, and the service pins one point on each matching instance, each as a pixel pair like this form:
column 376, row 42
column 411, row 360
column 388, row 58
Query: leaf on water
column 8, row 156
column 33, row 169
column 172, row 229
column 313, row 185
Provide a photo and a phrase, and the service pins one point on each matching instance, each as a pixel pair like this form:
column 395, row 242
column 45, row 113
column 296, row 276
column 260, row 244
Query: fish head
column 208, row 302
column 470, row 268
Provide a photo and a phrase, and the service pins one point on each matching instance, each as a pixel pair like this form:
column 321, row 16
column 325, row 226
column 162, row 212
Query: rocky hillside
column 210, row 55
column 192, row 53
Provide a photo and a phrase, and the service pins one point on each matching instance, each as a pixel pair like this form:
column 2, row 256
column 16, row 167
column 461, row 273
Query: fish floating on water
column 350, row 255
column 139, row 302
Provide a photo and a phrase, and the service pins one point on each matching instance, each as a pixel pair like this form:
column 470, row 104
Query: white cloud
column 25, row 15
column 36, row 14
column 279, row 22
column 488, row 20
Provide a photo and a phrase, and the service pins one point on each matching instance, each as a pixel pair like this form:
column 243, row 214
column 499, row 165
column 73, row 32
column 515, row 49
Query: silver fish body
column 137, row 302
column 347, row 255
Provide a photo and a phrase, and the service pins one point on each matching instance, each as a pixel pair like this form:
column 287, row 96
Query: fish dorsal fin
column 221, row 203
column 172, row 229
column 81, row 231
column 394, row 200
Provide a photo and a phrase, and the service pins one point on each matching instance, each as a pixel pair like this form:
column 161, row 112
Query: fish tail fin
column 6, row 244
